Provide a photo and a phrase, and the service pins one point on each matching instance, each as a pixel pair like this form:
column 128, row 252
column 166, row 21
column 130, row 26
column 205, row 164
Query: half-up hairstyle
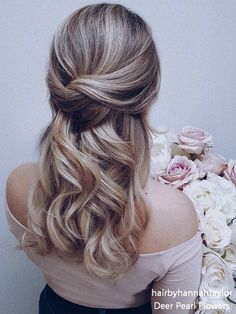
column 87, row 204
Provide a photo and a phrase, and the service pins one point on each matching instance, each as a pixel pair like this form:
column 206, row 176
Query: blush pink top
column 177, row 268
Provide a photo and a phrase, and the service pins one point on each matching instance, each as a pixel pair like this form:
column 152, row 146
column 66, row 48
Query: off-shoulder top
column 151, row 276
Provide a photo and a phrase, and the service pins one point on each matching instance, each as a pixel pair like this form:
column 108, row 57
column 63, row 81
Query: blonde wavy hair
column 88, row 203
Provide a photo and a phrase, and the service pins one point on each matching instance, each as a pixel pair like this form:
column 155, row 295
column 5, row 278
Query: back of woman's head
column 103, row 76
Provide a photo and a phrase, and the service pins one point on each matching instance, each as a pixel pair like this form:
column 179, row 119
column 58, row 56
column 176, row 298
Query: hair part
column 103, row 76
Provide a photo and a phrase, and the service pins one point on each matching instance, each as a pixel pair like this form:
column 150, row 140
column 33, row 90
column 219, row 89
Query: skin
column 173, row 219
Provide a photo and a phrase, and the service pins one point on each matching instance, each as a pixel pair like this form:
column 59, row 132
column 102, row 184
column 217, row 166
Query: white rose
column 160, row 154
column 204, row 195
column 230, row 253
column 233, row 229
column 230, row 258
column 217, row 233
column 217, row 281
column 228, row 207
column 223, row 185
column 227, row 191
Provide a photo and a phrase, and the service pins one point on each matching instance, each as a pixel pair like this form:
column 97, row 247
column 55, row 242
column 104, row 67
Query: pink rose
column 230, row 172
column 179, row 172
column 194, row 140
column 211, row 163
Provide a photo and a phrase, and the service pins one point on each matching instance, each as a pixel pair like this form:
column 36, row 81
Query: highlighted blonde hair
column 87, row 204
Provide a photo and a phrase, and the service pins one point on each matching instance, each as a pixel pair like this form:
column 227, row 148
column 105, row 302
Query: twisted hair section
column 87, row 204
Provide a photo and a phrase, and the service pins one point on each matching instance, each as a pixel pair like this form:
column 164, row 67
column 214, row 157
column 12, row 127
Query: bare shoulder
column 173, row 218
column 18, row 185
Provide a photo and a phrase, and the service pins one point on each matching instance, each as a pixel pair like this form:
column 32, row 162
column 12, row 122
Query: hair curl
column 87, row 204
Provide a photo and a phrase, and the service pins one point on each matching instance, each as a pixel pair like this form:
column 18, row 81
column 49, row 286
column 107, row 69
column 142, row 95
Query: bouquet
column 187, row 162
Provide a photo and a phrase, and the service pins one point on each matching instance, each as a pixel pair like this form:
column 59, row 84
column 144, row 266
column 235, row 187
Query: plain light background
column 197, row 44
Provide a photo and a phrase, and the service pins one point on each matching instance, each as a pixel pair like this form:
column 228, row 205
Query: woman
column 107, row 238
